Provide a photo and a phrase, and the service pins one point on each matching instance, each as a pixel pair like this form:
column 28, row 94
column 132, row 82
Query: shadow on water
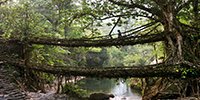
column 119, row 88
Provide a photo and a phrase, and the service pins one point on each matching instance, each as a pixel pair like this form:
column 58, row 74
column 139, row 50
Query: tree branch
column 122, row 15
column 114, row 27
column 140, row 28
column 133, row 5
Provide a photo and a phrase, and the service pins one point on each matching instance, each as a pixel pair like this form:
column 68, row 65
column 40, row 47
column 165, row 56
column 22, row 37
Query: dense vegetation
column 176, row 20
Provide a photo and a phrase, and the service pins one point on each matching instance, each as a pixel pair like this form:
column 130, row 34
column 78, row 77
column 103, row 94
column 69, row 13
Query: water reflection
column 120, row 89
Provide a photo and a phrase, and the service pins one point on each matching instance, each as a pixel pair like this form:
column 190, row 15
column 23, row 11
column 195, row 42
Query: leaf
column 108, row 24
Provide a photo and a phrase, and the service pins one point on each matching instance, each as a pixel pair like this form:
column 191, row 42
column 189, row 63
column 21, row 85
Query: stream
column 119, row 88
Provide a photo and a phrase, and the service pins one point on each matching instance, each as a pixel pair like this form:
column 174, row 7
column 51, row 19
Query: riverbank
column 46, row 96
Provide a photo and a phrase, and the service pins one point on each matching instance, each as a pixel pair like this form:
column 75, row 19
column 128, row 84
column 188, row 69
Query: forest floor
column 10, row 90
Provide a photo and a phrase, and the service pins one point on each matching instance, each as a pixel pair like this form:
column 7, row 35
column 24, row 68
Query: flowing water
column 120, row 89
column 123, row 92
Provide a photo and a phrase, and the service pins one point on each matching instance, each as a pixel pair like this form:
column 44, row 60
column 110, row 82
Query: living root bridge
column 157, row 70
column 112, row 72
column 122, row 41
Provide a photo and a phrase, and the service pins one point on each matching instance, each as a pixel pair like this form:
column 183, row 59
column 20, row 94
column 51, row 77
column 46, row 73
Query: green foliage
column 74, row 90
column 48, row 78
column 129, row 56
column 158, row 50
column 140, row 56
column 187, row 72
column 47, row 19
column 136, row 84
column 46, row 55
column 115, row 57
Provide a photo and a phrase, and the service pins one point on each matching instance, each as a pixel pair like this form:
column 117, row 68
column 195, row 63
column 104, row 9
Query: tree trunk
column 180, row 46
column 153, row 88
column 173, row 47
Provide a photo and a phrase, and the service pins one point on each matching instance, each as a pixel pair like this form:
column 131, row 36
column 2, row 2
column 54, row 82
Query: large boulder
column 101, row 96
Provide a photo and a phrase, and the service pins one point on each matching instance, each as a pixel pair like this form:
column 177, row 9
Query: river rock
column 46, row 96
column 101, row 96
